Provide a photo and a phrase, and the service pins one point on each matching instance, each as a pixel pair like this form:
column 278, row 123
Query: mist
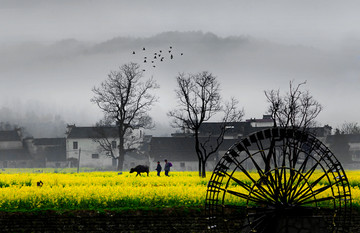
column 58, row 77
column 52, row 53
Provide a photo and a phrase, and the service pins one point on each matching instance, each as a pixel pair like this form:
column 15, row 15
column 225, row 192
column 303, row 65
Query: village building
column 346, row 148
column 180, row 151
column 180, row 148
column 82, row 145
column 92, row 146
column 51, row 152
column 140, row 156
column 13, row 151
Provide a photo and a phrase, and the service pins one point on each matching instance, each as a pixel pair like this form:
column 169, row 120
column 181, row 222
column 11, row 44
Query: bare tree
column 199, row 100
column 106, row 136
column 297, row 109
column 349, row 128
column 126, row 100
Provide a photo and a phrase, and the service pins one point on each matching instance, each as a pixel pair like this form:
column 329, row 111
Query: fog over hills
column 54, row 80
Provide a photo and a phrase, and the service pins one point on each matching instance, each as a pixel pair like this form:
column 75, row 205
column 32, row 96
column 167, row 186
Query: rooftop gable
column 93, row 132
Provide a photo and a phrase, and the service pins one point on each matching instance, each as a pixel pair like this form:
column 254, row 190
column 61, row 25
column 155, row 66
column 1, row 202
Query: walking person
column 158, row 168
column 167, row 167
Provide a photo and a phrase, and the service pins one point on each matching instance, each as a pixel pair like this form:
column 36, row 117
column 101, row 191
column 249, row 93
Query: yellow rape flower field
column 109, row 190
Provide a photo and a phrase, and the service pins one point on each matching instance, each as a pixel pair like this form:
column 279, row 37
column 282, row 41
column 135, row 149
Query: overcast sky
column 317, row 41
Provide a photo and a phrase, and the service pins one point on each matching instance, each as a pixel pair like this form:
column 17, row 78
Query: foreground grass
column 66, row 190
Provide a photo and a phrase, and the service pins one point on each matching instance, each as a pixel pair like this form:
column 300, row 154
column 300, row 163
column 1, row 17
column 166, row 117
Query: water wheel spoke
column 242, row 184
column 318, row 200
column 313, row 194
column 256, row 198
column 263, row 191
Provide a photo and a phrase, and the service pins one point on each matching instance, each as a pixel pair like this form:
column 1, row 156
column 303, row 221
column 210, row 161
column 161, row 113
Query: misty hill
column 61, row 75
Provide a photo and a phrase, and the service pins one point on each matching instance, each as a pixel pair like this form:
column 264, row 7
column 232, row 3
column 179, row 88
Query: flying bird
column 133, row 52
column 144, row 48
column 171, row 56
column 144, row 61
column 182, row 54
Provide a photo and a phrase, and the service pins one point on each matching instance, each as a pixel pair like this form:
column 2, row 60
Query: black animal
column 139, row 169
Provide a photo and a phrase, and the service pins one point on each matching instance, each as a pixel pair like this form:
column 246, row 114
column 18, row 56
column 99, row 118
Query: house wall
column 130, row 162
column 6, row 145
column 88, row 149
column 16, row 164
column 355, row 151
column 57, row 164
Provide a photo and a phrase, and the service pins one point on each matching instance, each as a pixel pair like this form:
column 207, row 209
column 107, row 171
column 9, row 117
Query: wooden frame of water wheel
column 296, row 183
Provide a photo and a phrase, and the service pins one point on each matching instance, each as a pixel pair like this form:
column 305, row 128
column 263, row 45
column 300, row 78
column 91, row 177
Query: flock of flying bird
column 155, row 57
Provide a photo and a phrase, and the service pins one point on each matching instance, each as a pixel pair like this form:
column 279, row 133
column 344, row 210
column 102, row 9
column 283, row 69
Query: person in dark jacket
column 167, row 167
column 158, row 168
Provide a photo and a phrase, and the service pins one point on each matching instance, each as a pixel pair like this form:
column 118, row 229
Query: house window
column 75, row 145
column 182, row 165
column 113, row 144
column 95, row 156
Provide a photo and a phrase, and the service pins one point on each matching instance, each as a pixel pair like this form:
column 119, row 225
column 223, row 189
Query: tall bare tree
column 349, row 128
column 297, row 109
column 198, row 101
column 126, row 100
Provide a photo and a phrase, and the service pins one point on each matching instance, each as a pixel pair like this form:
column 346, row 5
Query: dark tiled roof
column 93, row 132
column 343, row 137
column 9, row 136
column 214, row 128
column 180, row 148
column 49, row 141
column 16, row 154
column 234, row 128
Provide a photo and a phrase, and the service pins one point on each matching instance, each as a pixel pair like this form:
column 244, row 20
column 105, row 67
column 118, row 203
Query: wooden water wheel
column 279, row 180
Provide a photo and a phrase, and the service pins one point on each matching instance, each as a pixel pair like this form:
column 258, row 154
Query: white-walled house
column 81, row 146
